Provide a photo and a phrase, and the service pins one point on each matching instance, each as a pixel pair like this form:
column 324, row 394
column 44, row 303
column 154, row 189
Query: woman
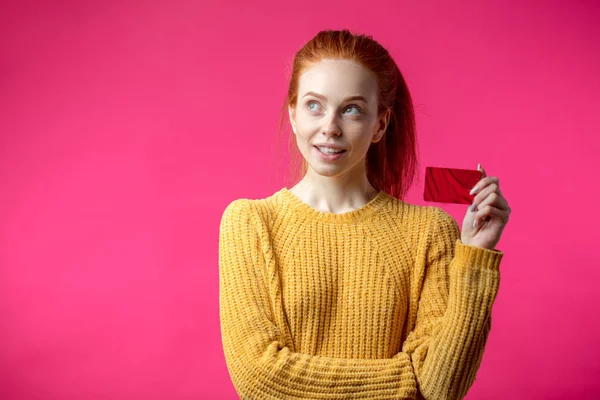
column 336, row 288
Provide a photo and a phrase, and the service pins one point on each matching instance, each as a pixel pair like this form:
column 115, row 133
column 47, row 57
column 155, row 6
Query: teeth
column 328, row 150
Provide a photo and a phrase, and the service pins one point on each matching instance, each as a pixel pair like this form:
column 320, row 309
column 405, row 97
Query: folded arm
column 260, row 362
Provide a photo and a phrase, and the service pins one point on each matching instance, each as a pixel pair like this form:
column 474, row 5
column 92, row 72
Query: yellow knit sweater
column 383, row 302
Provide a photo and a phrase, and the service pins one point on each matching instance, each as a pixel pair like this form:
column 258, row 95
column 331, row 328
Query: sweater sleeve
column 453, row 320
column 258, row 353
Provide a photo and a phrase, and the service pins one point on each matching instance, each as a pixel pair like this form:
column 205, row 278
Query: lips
column 329, row 157
column 331, row 147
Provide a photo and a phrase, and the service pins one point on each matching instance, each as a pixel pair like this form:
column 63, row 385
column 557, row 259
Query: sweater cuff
column 465, row 253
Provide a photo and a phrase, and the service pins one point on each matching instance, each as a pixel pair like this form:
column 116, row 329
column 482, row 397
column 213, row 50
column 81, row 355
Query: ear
column 382, row 125
column 292, row 115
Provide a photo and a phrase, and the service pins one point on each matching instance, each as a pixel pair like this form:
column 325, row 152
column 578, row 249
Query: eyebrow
column 346, row 99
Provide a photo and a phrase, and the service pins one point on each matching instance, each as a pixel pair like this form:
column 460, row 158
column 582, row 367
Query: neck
column 334, row 194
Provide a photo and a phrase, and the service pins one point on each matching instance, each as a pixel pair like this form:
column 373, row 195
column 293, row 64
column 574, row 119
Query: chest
column 345, row 280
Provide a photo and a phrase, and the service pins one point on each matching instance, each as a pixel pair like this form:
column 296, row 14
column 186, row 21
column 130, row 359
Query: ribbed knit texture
column 383, row 302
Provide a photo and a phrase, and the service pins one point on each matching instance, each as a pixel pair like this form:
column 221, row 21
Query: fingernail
column 479, row 167
column 474, row 224
column 475, row 189
column 473, row 207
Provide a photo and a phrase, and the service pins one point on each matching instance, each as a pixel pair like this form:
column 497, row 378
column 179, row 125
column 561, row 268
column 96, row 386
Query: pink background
column 127, row 127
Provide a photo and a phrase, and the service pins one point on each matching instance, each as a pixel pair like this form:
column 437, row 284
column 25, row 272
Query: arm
column 259, row 358
column 454, row 313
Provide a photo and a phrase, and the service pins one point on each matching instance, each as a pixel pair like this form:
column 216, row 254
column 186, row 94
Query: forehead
column 337, row 79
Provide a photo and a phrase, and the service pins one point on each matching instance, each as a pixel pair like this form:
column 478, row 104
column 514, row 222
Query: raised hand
column 487, row 216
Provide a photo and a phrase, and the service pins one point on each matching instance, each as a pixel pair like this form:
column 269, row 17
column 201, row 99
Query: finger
column 499, row 202
column 490, row 212
column 495, row 200
column 479, row 186
column 480, row 168
column 483, row 194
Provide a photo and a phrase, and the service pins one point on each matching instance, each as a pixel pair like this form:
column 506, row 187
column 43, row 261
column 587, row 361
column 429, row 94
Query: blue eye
column 355, row 107
column 310, row 103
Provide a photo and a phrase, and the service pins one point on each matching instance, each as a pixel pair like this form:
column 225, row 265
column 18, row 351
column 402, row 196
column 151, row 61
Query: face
column 337, row 104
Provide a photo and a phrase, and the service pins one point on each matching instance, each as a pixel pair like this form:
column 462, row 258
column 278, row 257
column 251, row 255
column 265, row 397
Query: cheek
column 302, row 134
column 303, row 140
column 306, row 132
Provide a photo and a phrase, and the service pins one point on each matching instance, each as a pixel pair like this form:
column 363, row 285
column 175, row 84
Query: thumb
column 480, row 168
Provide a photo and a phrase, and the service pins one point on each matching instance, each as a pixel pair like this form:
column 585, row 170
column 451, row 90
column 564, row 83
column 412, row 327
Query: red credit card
column 450, row 185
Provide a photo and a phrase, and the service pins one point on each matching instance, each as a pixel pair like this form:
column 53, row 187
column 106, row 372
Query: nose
column 332, row 126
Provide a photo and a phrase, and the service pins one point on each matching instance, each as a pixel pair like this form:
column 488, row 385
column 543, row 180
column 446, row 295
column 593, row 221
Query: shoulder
column 246, row 209
column 443, row 221
column 237, row 226
column 238, row 210
column 425, row 216
column 237, row 206
column 423, row 222
column 243, row 223
column 442, row 233
column 261, row 210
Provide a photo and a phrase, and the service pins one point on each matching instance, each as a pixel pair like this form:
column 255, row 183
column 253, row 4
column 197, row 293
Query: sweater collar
column 349, row 217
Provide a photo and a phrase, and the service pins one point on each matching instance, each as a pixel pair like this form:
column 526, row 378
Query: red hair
column 391, row 163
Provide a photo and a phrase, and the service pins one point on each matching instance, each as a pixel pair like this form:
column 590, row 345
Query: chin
column 325, row 170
